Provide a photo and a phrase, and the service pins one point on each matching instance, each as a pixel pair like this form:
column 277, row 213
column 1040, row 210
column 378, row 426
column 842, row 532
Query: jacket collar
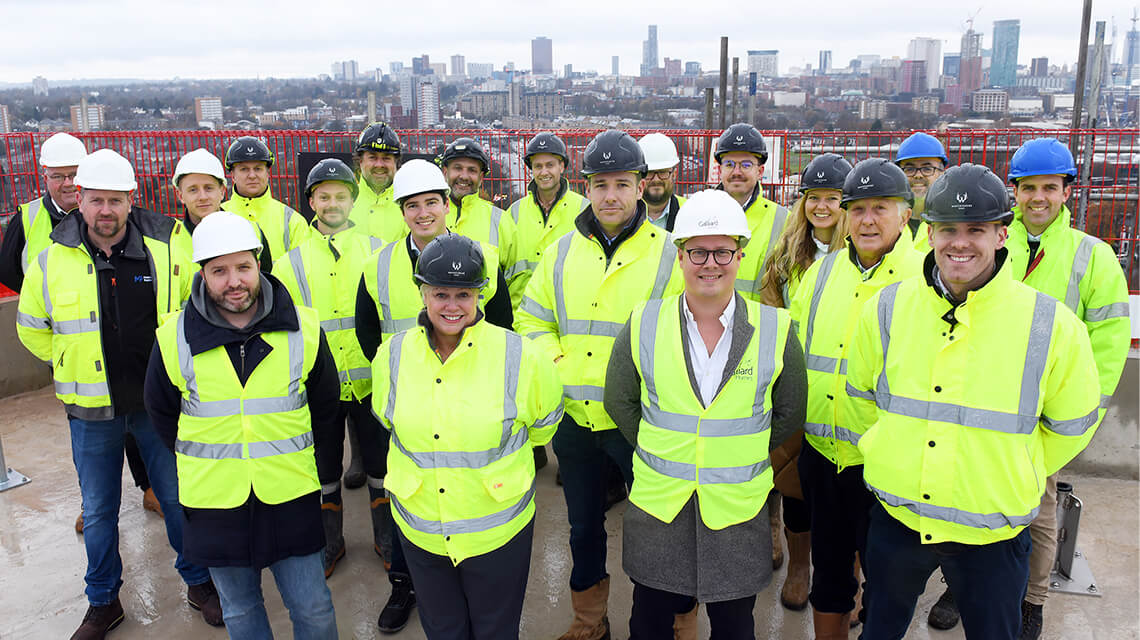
column 72, row 232
column 423, row 321
column 587, row 224
column 532, row 188
column 266, row 196
column 363, row 188
column 934, row 281
column 1062, row 222
column 205, row 330
column 751, row 199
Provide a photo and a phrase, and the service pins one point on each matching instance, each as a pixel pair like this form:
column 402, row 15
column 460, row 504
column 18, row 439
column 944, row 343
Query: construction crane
column 970, row 21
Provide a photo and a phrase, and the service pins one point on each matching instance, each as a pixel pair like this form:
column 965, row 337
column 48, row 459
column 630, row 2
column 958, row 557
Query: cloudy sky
column 64, row 39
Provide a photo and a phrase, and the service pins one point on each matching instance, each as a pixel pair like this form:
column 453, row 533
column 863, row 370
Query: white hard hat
column 105, row 169
column 660, row 152
column 62, row 150
column 711, row 213
column 199, row 161
column 222, row 233
column 418, row 176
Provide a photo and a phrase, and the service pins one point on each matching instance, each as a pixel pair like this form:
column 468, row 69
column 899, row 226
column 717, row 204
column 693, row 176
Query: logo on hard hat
column 740, row 138
column 962, row 197
column 249, row 149
column 864, row 179
column 456, row 265
column 542, row 143
column 606, row 155
column 460, row 147
column 819, row 175
column 708, row 223
column 332, row 169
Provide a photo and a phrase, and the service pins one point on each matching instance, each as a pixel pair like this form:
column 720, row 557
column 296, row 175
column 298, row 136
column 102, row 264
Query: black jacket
column 254, row 534
column 11, row 266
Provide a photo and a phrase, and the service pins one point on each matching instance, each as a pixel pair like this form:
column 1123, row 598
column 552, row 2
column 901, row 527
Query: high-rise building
column 568, row 70
column 408, row 92
column 615, row 68
column 395, row 68
column 458, row 65
column 480, row 70
column 824, row 61
column 1131, row 57
column 39, row 86
column 345, row 70
column 673, row 67
column 208, row 110
column 990, row 101
column 649, row 52
column 439, row 69
column 427, row 102
column 542, row 56
column 92, row 120
column 929, row 51
column 970, row 62
column 951, row 65
column 1039, row 68
column 913, row 76
column 692, row 68
column 1003, row 61
column 421, row 66
column 764, row 63
column 5, row 119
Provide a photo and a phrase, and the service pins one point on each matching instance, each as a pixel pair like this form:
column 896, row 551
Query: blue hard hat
column 921, row 145
column 1042, row 157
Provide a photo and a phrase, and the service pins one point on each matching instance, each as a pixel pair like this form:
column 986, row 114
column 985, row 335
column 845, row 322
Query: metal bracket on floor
column 1071, row 572
column 10, row 478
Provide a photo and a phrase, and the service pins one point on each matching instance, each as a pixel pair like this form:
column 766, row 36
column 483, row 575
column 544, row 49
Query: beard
column 656, row 200
column 223, row 301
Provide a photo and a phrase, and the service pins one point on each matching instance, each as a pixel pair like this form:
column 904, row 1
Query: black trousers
column 654, row 609
column 371, row 435
column 481, row 598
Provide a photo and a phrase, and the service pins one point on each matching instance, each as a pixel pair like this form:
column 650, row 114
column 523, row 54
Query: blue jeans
column 582, row 463
column 301, row 582
column 988, row 581
column 97, row 450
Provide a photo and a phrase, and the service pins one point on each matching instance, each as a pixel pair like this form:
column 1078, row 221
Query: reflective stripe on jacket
column 484, row 222
column 536, row 234
column 283, row 227
column 378, row 213
column 766, row 221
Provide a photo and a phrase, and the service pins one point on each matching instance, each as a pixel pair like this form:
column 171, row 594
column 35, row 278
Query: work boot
column 99, row 621
column 204, row 598
column 590, row 620
column 774, row 504
column 354, row 477
column 400, row 603
column 150, row 502
column 944, row 613
column 539, row 457
column 797, row 584
column 332, row 517
column 1032, row 617
column 383, row 527
column 831, row 626
column 79, row 523
column 685, row 624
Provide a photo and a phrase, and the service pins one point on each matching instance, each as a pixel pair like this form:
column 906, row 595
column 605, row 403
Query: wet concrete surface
column 42, row 560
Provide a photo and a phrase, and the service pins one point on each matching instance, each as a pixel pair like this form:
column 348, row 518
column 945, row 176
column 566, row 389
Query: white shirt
column 821, row 248
column 708, row 368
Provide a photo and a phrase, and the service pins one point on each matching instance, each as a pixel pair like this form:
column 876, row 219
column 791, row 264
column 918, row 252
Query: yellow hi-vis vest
column 576, row 304
column 766, row 221
column 1081, row 272
column 37, row 229
column 485, row 223
column 719, row 451
column 377, row 213
column 963, row 425
column 231, row 438
column 535, row 235
column 391, row 284
column 826, row 312
column 326, row 282
column 283, row 227
column 460, row 469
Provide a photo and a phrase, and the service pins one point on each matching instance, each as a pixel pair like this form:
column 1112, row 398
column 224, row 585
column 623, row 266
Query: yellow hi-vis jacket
column 58, row 317
column 536, row 233
column 964, row 422
column 283, row 227
column 1081, row 272
column 231, row 438
column 460, row 469
column 577, row 302
column 766, row 221
column 37, row 229
column 391, row 283
column 719, row 451
column 485, row 223
column 377, row 213
column 323, row 273
column 826, row 312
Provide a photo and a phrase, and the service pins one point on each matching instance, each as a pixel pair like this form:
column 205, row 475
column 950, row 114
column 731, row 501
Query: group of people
column 886, row 376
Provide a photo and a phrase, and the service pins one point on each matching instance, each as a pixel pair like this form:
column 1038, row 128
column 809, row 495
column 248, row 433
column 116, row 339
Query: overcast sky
column 64, row 39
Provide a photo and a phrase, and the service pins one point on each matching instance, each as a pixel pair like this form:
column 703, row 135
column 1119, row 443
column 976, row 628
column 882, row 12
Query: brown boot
column 79, row 523
column 99, row 621
column 590, row 620
column 774, row 504
column 150, row 502
column 685, row 625
column 797, row 584
column 831, row 626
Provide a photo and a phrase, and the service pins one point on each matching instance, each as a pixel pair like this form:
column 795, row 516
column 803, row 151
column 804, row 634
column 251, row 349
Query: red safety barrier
column 1112, row 189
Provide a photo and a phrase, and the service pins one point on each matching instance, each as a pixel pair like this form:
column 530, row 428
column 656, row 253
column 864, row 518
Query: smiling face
column 710, row 281
column 426, row 215
column 105, row 213
column 251, row 178
column 874, row 225
column 659, row 186
column 547, row 168
column 201, row 194
column 464, row 176
column 739, row 173
column 61, row 186
column 449, row 309
column 921, row 173
column 821, row 206
column 233, row 282
column 965, row 252
column 378, row 169
column 331, row 201
column 613, row 197
column 1039, row 199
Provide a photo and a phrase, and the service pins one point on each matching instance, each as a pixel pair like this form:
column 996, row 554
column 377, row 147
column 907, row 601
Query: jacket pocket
column 403, row 479
column 508, row 483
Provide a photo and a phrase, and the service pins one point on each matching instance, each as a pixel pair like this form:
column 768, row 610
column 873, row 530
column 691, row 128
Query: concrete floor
column 42, row 560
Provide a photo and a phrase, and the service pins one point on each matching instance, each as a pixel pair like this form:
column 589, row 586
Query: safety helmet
column 378, row 136
column 451, row 260
column 825, row 171
column 198, row 161
column 876, row 178
column 546, row 142
column 610, row 151
column 222, row 233
column 465, row 148
column 1042, row 157
column 248, row 148
column 330, row 169
column 968, row 193
column 418, row 176
column 62, row 150
column 105, row 169
column 741, row 137
column 711, row 212
column 921, row 145
column 660, row 152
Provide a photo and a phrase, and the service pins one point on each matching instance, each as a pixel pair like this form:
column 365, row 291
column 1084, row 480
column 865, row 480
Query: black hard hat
column 546, row 142
column 825, row 171
column 378, row 136
column 742, row 137
column 613, row 150
column 465, row 148
column 248, row 148
column 451, row 260
column 876, row 178
column 968, row 193
column 330, row 169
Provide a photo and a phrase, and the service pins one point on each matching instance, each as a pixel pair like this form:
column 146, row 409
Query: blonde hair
column 795, row 251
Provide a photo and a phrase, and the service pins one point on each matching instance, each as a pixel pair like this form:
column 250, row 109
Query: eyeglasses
column 729, row 165
column 660, row 174
column 925, row 170
column 61, row 177
column 701, row 256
